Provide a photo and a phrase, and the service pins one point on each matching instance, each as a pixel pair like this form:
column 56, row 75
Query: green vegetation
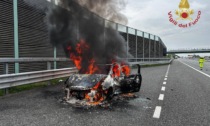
column 31, row 86
column 1, row 92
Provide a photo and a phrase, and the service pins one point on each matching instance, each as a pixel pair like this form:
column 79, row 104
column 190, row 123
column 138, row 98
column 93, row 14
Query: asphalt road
column 195, row 63
column 187, row 101
column 175, row 95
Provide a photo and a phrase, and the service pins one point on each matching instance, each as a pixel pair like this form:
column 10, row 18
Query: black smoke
column 108, row 9
column 70, row 23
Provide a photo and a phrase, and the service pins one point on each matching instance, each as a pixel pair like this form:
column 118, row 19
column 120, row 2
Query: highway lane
column 187, row 101
column 174, row 95
column 42, row 107
column 194, row 63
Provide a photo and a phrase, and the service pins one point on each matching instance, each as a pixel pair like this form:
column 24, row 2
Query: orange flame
column 98, row 97
column 126, row 70
column 79, row 54
column 77, row 57
column 116, row 70
column 92, row 68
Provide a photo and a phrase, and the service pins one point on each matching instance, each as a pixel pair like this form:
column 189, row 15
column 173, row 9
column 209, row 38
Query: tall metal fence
column 24, row 33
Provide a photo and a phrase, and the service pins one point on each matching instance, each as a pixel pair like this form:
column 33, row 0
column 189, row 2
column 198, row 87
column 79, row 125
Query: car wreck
column 94, row 89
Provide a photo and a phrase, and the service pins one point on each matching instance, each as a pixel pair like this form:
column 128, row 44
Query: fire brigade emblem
column 184, row 12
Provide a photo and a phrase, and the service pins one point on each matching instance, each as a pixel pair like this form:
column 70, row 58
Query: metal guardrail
column 11, row 80
column 147, row 59
column 144, row 63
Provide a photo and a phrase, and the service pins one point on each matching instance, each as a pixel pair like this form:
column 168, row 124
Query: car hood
column 84, row 81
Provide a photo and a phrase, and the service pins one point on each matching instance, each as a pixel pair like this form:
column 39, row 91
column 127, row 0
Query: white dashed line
column 196, row 69
column 163, row 88
column 157, row 112
column 161, row 97
column 158, row 109
column 168, row 70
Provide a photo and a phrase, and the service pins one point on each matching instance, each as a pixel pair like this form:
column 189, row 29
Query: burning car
column 93, row 89
column 89, row 43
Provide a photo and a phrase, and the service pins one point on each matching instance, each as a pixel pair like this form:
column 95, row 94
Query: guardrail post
column 127, row 43
column 48, row 65
column 55, row 56
column 55, row 50
column 143, row 46
column 6, row 68
column 16, row 43
column 117, row 27
column 154, row 47
column 158, row 47
column 48, row 68
column 136, row 44
column 149, row 46
column 6, row 71
column 104, row 30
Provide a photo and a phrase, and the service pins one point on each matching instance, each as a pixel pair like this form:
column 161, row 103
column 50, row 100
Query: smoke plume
column 108, row 9
column 72, row 22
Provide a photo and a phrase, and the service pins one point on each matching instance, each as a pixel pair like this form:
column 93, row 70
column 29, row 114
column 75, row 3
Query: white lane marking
column 157, row 112
column 161, row 97
column 195, row 69
column 163, row 88
column 168, row 70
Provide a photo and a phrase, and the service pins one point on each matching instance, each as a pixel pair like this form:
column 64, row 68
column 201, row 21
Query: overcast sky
column 152, row 16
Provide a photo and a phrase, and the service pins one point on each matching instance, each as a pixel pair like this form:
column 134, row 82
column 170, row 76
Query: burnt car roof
column 84, row 81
